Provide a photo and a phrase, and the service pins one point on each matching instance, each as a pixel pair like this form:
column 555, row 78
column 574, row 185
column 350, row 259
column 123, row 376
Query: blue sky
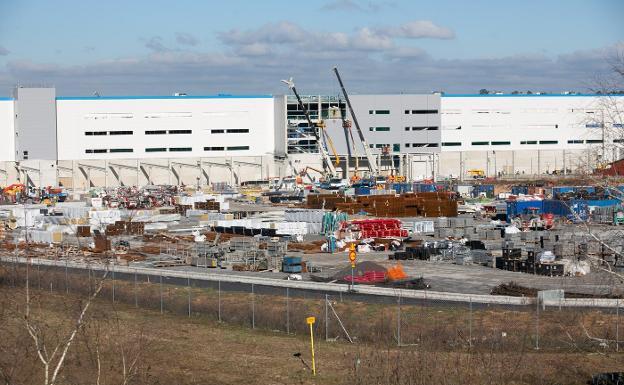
column 159, row 47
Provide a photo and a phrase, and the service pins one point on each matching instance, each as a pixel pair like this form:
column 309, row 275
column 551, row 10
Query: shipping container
column 515, row 208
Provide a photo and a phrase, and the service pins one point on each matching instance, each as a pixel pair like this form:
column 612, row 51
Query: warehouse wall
column 35, row 123
column 7, row 129
column 524, row 122
column 413, row 121
column 167, row 127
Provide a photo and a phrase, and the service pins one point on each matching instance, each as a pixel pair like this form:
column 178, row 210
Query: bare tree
column 53, row 359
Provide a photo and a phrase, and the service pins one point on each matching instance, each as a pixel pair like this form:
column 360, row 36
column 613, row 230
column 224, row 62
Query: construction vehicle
column 372, row 165
column 532, row 220
column 476, row 173
column 329, row 170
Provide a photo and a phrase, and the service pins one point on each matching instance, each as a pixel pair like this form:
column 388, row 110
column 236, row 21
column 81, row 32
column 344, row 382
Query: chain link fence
column 349, row 317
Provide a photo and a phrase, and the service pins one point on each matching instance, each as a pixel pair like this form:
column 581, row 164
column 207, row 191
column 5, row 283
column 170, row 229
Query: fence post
column 161, row 294
column 219, row 306
column 617, row 325
column 253, row 307
column 470, row 323
column 537, row 323
column 326, row 320
column 188, row 285
column 38, row 275
column 66, row 279
column 287, row 311
column 113, row 271
column 136, row 297
column 399, row 319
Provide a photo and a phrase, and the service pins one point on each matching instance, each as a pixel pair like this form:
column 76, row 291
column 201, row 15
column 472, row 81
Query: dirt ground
column 174, row 349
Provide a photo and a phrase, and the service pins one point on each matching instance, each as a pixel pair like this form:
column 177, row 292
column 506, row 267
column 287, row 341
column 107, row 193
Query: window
column 217, row 131
column 180, row 131
column 396, row 147
column 618, row 140
column 407, row 128
column 424, row 145
column 379, row 129
column 451, row 144
column 238, row 131
column 156, row 149
column 548, row 141
column 238, row 148
column 618, row 125
column 407, row 112
column 180, row 149
column 528, row 142
column 89, row 133
column 121, row 132
column 407, row 145
column 96, row 151
column 214, row 148
column 379, row 112
column 121, row 150
column 593, row 125
column 480, row 143
column 96, row 133
column 421, row 112
column 501, row 143
column 575, row 141
column 155, row 132
column 590, row 141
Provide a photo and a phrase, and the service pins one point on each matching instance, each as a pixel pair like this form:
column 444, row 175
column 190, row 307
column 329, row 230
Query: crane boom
column 372, row 165
column 327, row 162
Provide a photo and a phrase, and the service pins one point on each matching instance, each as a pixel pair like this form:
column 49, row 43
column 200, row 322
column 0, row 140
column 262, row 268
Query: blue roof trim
column 164, row 97
column 517, row 96
column 1, row 98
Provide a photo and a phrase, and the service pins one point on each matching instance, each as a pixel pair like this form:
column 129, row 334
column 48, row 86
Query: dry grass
column 175, row 348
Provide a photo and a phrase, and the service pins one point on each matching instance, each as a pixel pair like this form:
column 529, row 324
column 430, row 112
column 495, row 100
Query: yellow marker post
column 352, row 258
column 310, row 321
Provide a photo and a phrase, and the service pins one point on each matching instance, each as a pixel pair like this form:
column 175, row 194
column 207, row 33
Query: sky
column 157, row 47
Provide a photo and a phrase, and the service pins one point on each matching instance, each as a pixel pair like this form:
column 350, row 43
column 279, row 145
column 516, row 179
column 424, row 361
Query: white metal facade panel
column 7, row 130
column 77, row 116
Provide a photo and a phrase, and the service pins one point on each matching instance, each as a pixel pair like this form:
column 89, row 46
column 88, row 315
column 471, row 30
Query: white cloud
column 155, row 43
column 4, row 51
column 283, row 32
column 419, row 29
column 357, row 6
column 184, row 38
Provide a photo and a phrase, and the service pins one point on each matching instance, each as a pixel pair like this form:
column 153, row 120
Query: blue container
column 401, row 188
column 518, row 190
column 364, row 190
column 487, row 189
column 292, row 261
column 515, row 208
column 424, row 187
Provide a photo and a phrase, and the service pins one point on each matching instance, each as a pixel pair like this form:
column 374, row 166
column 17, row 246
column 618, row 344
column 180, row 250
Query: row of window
column 506, row 143
column 101, row 133
column 407, row 112
column 104, row 151
column 422, row 128
column 163, row 132
column 230, row 131
column 164, row 149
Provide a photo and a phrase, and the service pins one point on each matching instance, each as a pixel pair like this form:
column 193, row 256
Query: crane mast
column 372, row 165
column 328, row 166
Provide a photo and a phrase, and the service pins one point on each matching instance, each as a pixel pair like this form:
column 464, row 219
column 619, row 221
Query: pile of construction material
column 429, row 204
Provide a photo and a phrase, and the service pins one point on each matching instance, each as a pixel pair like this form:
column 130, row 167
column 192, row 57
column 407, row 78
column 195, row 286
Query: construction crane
column 328, row 166
column 346, row 125
column 372, row 165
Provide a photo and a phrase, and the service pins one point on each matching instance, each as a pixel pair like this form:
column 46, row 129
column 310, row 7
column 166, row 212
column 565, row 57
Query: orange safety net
column 396, row 273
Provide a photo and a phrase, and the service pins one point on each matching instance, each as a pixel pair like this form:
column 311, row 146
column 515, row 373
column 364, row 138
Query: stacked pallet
column 434, row 204
column 210, row 204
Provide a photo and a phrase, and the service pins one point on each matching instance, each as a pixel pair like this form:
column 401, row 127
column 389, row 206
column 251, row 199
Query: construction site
column 317, row 218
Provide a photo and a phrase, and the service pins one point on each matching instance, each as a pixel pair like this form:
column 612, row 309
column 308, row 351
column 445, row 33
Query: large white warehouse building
column 228, row 138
